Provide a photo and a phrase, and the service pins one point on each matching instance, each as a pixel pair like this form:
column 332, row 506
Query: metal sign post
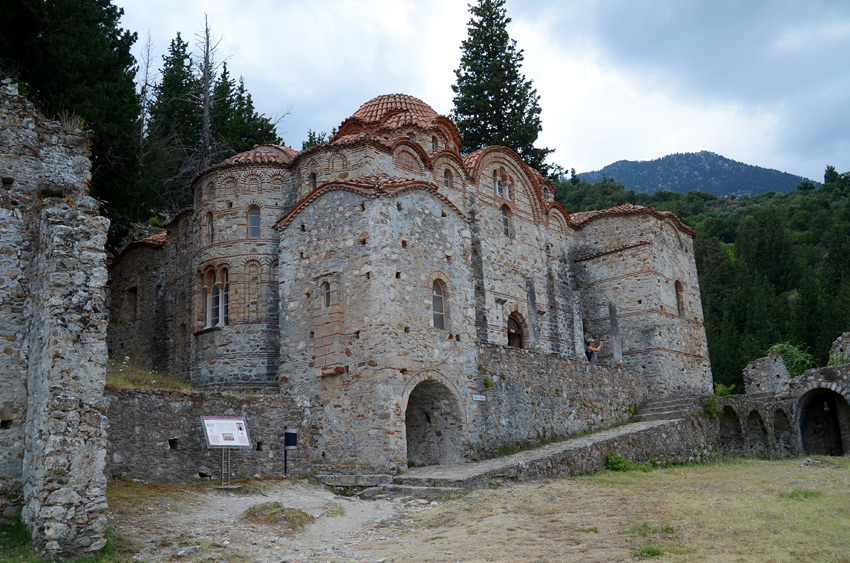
column 226, row 433
column 290, row 442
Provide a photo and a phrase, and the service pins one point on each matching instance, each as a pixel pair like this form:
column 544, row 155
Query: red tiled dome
column 396, row 109
column 264, row 154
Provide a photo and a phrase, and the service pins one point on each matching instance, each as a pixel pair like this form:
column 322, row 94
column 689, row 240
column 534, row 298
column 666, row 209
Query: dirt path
column 209, row 525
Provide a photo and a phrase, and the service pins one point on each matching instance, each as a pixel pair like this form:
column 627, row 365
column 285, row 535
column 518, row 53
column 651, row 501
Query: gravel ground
column 210, row 527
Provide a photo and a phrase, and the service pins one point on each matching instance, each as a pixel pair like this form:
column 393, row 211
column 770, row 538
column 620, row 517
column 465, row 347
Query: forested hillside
column 773, row 268
column 701, row 171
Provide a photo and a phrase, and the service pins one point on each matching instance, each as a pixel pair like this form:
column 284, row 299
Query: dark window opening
column 514, row 333
column 5, row 424
column 172, row 444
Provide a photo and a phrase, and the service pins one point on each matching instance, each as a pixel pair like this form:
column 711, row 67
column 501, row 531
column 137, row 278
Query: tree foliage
column 74, row 59
column 772, row 268
column 494, row 104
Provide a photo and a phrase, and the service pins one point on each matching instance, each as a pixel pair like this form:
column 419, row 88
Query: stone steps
column 668, row 408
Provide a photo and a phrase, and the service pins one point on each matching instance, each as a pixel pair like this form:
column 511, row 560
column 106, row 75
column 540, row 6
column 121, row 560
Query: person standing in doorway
column 592, row 351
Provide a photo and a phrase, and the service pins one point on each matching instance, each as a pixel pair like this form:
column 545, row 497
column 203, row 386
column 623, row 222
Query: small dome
column 264, row 154
column 395, row 110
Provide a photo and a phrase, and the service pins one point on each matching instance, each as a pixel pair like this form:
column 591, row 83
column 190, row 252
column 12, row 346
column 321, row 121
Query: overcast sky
column 766, row 82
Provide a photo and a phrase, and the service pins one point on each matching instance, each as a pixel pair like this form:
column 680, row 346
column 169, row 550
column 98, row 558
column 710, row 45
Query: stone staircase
column 669, row 408
column 671, row 440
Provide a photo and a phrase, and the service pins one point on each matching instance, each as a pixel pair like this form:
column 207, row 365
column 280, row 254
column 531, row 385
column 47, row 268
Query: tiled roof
column 264, row 154
column 582, row 218
column 396, row 109
column 156, row 240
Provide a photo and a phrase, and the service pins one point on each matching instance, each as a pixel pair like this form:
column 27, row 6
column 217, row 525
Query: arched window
column 680, row 299
column 208, row 288
column 210, row 228
column 438, row 305
column 412, row 138
column 325, row 292
column 447, row 178
column 215, row 305
column 514, row 333
column 434, row 145
column 252, row 291
column 506, row 221
column 225, row 298
column 497, row 184
column 254, row 222
column 312, row 180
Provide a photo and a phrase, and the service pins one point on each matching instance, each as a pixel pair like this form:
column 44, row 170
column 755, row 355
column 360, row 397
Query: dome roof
column 264, row 154
column 393, row 110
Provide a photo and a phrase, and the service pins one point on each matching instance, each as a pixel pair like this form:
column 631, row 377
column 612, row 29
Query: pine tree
column 171, row 156
column 76, row 60
column 494, row 104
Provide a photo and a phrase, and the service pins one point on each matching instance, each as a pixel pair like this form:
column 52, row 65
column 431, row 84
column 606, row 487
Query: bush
column 796, row 360
column 616, row 462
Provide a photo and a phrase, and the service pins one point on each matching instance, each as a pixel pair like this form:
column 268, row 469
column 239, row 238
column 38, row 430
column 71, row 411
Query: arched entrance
column 824, row 423
column 731, row 439
column 433, row 425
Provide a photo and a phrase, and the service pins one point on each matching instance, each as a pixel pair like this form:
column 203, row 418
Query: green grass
column 16, row 546
column 276, row 513
column 126, row 375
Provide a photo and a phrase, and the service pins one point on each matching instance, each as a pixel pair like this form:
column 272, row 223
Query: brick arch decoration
column 483, row 160
column 519, row 311
column 449, row 159
column 558, row 219
column 407, row 158
column 439, row 275
column 437, row 376
column 229, row 185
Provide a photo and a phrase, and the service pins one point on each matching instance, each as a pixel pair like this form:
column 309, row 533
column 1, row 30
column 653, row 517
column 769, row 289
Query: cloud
column 760, row 82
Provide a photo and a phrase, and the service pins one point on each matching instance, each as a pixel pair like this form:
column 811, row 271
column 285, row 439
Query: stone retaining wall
column 532, row 398
column 157, row 435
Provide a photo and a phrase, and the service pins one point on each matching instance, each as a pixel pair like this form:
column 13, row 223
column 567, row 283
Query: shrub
column 796, row 360
column 616, row 462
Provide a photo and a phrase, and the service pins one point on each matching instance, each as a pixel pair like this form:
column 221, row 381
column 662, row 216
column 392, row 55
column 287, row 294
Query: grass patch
column 126, row 375
column 16, row 545
column 799, row 494
column 648, row 552
column 333, row 510
column 275, row 513
column 730, row 509
column 130, row 496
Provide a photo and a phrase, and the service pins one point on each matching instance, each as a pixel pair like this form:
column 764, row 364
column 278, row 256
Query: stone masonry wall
column 157, row 435
column 60, row 273
column 640, row 295
column 532, row 398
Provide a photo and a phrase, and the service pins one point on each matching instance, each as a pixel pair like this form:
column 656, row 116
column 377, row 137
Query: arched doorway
column 433, row 425
column 782, row 433
column 824, row 423
column 731, row 439
column 757, row 433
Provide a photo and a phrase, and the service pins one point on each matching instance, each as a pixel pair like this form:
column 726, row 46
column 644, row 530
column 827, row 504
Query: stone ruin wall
column 532, row 398
column 629, row 269
column 53, row 323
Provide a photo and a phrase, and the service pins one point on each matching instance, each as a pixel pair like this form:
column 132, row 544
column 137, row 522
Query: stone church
column 411, row 303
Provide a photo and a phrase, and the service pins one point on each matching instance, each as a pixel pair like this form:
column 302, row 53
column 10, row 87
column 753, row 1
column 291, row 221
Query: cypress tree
column 494, row 103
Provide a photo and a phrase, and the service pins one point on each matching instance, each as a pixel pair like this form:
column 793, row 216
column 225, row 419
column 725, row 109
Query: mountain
column 701, row 171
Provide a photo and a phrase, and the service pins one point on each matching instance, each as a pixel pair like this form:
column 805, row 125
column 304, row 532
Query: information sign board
column 225, row 432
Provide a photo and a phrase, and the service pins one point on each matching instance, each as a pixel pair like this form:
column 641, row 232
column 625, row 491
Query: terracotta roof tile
column 264, row 154
column 396, row 109
column 155, row 240
column 582, row 218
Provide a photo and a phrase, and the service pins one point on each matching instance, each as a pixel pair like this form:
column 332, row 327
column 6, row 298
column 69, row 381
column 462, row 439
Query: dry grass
column 276, row 514
column 125, row 375
column 130, row 497
column 734, row 510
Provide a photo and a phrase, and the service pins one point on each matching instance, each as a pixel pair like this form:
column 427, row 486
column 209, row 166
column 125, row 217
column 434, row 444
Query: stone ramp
column 667, row 441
